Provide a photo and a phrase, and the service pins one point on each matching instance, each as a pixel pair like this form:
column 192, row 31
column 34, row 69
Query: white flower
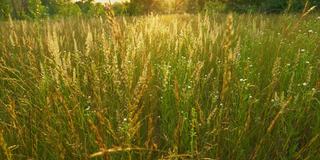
column 307, row 62
column 318, row 18
column 313, row 89
column 288, row 64
column 304, row 84
column 242, row 80
column 310, row 31
column 125, row 119
column 302, row 50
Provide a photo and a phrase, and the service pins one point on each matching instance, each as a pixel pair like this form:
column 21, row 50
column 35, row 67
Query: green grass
column 161, row 87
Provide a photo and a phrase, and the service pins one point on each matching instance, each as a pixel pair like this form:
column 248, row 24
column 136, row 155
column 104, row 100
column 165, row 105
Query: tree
column 120, row 8
column 62, row 8
column 91, row 9
column 5, row 9
column 143, row 6
column 36, row 9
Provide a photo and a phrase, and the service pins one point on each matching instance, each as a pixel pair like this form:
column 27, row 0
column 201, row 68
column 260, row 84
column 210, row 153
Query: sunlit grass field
column 161, row 87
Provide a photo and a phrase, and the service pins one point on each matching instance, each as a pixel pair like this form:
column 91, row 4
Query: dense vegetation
column 35, row 9
column 161, row 87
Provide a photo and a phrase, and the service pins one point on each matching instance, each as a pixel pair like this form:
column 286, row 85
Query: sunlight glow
column 112, row 1
column 106, row 1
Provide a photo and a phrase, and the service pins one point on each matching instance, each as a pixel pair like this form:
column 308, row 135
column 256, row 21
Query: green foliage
column 269, row 6
column 5, row 9
column 36, row 9
column 120, row 8
column 91, row 9
column 63, row 8
column 144, row 6
column 33, row 9
column 214, row 6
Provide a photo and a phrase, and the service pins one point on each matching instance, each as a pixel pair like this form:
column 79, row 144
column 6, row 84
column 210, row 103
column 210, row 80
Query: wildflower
column 307, row 62
column 302, row 50
column 189, row 87
column 313, row 89
column 318, row 18
column 310, row 31
column 125, row 119
column 304, row 84
column 288, row 64
column 243, row 80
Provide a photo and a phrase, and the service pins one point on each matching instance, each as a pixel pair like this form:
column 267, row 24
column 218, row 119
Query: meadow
column 161, row 87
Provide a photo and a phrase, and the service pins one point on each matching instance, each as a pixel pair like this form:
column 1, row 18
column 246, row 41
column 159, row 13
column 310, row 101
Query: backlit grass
column 161, row 87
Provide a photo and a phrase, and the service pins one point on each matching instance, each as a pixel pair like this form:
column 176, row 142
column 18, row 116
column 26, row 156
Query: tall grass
column 161, row 87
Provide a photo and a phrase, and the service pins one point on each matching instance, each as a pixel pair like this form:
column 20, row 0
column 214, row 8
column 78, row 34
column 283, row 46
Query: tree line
column 34, row 9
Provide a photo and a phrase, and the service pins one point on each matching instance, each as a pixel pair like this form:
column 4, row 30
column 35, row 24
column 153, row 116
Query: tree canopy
column 33, row 9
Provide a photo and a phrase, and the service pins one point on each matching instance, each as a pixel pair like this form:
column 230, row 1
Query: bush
column 215, row 7
column 5, row 9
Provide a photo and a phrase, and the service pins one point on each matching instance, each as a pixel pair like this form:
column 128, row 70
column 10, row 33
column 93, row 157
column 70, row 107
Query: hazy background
column 35, row 9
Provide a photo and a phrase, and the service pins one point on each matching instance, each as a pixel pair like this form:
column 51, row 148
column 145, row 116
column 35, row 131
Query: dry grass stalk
column 98, row 137
column 305, row 12
column 119, row 149
column 176, row 90
column 273, row 122
column 304, row 148
column 5, row 148
column 115, row 26
column 105, row 122
column 229, row 58
column 134, row 107
column 270, row 128
column 276, row 70
column 89, row 42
